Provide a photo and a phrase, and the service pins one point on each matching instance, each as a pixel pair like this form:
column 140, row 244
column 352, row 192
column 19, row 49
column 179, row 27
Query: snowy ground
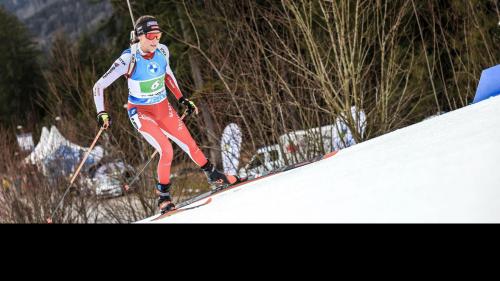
column 445, row 169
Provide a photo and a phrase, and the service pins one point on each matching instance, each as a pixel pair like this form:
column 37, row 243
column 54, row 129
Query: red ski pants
column 158, row 123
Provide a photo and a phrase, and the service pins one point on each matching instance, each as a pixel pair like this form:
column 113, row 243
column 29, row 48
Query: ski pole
column 49, row 220
column 126, row 186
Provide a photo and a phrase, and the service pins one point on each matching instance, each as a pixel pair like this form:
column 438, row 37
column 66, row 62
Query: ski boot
column 217, row 179
column 164, row 200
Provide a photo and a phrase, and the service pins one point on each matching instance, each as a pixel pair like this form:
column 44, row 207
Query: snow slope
column 445, row 169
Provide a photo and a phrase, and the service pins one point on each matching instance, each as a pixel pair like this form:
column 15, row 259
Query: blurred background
column 296, row 78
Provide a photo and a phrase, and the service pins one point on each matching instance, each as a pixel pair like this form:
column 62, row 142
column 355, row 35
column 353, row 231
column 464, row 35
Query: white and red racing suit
column 148, row 107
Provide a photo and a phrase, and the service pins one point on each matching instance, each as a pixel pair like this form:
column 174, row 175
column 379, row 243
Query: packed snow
column 442, row 170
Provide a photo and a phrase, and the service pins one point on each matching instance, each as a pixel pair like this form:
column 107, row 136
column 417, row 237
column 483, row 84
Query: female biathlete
column 147, row 69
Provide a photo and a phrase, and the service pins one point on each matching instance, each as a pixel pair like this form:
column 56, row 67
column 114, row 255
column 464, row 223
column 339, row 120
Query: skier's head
column 148, row 32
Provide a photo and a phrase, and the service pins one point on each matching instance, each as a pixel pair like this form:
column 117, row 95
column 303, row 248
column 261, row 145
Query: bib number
column 155, row 85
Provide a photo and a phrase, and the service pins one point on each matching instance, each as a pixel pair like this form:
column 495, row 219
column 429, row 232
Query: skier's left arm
column 172, row 85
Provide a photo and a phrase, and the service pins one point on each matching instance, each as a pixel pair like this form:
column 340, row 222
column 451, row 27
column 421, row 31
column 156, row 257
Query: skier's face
column 150, row 41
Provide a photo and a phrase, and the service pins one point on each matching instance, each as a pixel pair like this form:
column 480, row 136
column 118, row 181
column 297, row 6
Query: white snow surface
column 442, row 170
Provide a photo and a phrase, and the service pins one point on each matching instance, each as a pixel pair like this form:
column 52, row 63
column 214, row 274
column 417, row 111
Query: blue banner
column 489, row 85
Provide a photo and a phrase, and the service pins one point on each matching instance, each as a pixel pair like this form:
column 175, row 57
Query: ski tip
column 331, row 154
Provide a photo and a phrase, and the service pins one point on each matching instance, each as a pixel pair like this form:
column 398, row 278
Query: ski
column 180, row 210
column 181, row 206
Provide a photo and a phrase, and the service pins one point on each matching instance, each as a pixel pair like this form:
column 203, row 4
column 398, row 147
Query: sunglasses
column 151, row 36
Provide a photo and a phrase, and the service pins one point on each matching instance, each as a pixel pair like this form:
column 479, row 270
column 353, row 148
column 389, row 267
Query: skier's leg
column 150, row 130
column 176, row 130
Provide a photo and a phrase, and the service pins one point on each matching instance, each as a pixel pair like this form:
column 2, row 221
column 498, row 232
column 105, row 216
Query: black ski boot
column 217, row 179
column 164, row 200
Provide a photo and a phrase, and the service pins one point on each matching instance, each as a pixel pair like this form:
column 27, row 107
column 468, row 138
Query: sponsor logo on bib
column 153, row 68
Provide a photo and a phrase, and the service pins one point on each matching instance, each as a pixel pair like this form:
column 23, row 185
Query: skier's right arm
column 118, row 69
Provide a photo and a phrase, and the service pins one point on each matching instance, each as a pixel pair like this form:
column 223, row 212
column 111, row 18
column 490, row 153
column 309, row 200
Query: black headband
column 146, row 26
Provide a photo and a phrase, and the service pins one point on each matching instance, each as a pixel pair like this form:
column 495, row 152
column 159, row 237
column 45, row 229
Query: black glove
column 103, row 119
column 191, row 107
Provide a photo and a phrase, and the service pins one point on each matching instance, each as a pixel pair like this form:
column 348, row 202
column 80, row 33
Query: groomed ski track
column 442, row 170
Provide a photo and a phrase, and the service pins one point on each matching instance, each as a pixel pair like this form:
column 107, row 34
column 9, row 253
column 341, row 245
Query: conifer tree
column 21, row 80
